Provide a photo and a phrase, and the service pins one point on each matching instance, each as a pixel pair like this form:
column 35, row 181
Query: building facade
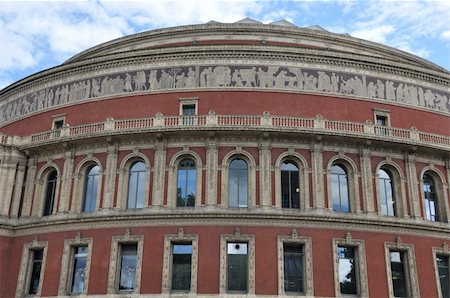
column 227, row 160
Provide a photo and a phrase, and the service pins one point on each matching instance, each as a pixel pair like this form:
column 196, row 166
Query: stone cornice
column 249, row 217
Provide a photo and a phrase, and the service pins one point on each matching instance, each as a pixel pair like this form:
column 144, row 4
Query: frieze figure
column 139, row 81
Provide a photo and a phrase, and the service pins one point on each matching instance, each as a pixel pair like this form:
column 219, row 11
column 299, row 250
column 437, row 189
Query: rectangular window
column 381, row 120
column 237, row 266
column 181, row 267
column 78, row 281
column 398, row 273
column 293, row 268
column 443, row 273
column 188, row 112
column 35, row 273
column 128, row 263
column 347, row 270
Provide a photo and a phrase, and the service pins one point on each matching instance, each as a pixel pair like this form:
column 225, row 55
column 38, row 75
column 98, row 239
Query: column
column 18, row 189
column 29, row 186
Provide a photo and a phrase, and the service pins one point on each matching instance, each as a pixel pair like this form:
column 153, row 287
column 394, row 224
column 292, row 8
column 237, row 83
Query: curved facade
column 227, row 159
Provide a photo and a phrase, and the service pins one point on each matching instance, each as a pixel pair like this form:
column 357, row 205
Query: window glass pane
column 186, row 183
column 398, row 274
column 50, row 193
column 293, row 268
column 238, row 184
column 136, row 185
column 181, row 267
column 79, row 269
column 35, row 274
column 387, row 201
column 90, row 189
column 339, row 189
column 347, row 270
column 237, row 267
column 429, row 190
column 443, row 272
column 290, row 191
column 128, row 262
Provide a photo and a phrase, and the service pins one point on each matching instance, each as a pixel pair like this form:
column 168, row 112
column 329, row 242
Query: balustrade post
column 65, row 130
column 211, row 119
column 319, row 122
column 369, row 127
column 109, row 124
column 159, row 119
column 414, row 134
column 266, row 119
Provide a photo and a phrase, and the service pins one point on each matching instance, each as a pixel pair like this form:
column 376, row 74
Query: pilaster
column 317, row 175
column 411, row 176
column 29, row 186
column 159, row 172
column 66, row 180
column 264, row 173
column 18, row 190
column 367, row 180
column 212, row 157
column 110, row 176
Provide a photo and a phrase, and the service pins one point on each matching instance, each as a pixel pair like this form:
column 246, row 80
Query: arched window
column 290, row 188
column 238, row 183
column 90, row 188
column 187, row 183
column 50, row 192
column 429, row 190
column 339, row 189
column 386, row 191
column 136, row 185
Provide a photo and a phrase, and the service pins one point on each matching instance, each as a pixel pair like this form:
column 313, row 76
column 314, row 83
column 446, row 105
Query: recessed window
column 186, row 183
column 238, row 184
column 347, row 270
column 339, row 189
column 90, row 188
column 382, row 121
column 181, row 267
column 50, row 192
column 429, row 190
column 293, row 257
column 136, row 185
column 442, row 264
column 290, row 186
column 35, row 273
column 78, row 278
column 398, row 273
column 237, row 266
column 127, row 268
column 386, row 191
column 58, row 124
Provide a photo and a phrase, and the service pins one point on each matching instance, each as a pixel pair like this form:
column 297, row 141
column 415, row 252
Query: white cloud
column 376, row 34
column 445, row 35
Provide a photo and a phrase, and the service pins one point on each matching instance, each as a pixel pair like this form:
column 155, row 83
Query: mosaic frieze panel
column 237, row 76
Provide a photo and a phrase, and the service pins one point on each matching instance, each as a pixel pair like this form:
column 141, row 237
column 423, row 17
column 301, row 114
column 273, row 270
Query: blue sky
column 36, row 35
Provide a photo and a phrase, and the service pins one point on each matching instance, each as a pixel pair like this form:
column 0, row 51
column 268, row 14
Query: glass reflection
column 90, row 188
column 238, row 184
column 187, row 183
column 387, row 201
column 339, row 189
column 290, row 189
column 136, row 185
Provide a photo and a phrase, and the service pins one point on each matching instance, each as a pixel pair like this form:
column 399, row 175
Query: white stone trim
column 303, row 172
column 398, row 181
column 224, row 239
column 412, row 283
column 306, row 242
column 114, row 261
column 360, row 258
column 67, row 262
column 79, row 183
column 444, row 250
column 251, row 176
column 352, row 179
column 173, row 176
column 124, row 177
column 169, row 240
column 23, row 280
